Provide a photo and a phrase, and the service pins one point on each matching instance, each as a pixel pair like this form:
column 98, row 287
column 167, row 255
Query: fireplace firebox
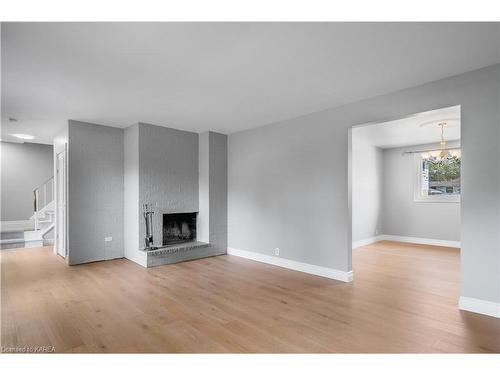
column 179, row 228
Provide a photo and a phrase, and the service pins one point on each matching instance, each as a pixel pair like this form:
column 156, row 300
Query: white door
column 61, row 203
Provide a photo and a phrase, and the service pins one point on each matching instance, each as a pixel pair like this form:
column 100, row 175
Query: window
column 437, row 180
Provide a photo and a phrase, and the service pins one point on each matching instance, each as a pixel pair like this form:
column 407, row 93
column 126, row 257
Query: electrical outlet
column 108, row 239
column 376, row 232
column 277, row 251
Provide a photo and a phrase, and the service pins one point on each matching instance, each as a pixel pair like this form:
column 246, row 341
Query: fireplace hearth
column 179, row 228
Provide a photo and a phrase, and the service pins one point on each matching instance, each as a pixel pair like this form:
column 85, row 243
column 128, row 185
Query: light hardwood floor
column 403, row 299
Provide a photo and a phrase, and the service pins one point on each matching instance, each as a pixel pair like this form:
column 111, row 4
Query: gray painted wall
column 168, row 174
column 95, row 192
column 218, row 191
column 288, row 183
column 367, row 189
column 405, row 217
column 203, row 219
column 383, row 197
column 25, row 166
column 286, row 189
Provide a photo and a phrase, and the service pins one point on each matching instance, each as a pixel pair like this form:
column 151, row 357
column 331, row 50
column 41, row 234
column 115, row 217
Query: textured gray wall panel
column 168, row 174
column 203, row 224
column 95, row 192
column 218, row 191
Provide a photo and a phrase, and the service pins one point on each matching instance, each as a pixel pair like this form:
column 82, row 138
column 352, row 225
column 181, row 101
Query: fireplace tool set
column 148, row 217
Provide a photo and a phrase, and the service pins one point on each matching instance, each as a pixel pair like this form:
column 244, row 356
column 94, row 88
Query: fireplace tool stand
column 148, row 218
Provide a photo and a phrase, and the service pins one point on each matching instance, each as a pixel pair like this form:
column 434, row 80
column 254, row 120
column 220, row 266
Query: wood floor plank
column 403, row 299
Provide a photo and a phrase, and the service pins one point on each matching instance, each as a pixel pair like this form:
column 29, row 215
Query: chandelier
column 443, row 153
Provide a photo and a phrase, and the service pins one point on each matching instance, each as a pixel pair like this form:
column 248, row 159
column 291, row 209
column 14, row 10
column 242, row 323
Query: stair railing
column 40, row 203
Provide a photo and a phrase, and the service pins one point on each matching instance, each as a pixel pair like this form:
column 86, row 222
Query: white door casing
column 61, row 203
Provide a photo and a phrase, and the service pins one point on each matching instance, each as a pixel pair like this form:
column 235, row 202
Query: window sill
column 417, row 200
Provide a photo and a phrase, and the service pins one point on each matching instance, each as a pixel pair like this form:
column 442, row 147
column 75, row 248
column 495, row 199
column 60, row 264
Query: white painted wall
column 60, row 145
column 131, row 208
column 367, row 190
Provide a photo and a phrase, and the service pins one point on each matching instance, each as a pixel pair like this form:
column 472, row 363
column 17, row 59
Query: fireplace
column 178, row 228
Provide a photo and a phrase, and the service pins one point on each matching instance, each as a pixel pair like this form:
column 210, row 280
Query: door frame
column 61, row 223
column 349, row 167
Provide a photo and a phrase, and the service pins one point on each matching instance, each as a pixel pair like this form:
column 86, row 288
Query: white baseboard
column 479, row 306
column 330, row 273
column 366, row 241
column 416, row 240
column 37, row 243
column 421, row 241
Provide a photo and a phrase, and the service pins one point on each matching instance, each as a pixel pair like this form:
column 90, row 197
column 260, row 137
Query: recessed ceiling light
column 23, row 136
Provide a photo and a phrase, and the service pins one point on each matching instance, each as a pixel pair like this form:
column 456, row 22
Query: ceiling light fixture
column 442, row 153
column 23, row 136
column 442, row 144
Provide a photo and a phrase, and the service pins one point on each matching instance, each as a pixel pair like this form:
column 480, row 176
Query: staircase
column 37, row 230
column 44, row 222
column 44, row 213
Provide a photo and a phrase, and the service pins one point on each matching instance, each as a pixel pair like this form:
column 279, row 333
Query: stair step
column 32, row 235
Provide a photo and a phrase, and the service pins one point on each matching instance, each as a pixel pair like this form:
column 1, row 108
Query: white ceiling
column 219, row 76
column 418, row 129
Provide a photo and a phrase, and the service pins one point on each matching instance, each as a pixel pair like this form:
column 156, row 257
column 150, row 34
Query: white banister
column 44, row 190
column 36, row 209
column 44, row 194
